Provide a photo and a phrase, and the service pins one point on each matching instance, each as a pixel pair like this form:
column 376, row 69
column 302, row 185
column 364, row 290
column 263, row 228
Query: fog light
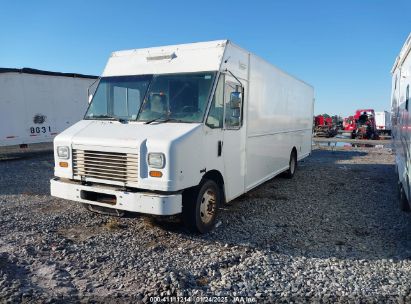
column 156, row 174
column 63, row 164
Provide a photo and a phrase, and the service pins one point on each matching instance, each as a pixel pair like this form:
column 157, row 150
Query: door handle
column 220, row 148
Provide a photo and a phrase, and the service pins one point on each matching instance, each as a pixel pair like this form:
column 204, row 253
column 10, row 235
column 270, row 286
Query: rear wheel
column 292, row 165
column 200, row 206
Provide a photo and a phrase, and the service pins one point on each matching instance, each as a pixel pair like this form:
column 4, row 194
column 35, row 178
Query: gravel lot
column 333, row 233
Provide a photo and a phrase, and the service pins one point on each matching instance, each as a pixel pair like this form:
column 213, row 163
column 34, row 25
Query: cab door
column 234, row 136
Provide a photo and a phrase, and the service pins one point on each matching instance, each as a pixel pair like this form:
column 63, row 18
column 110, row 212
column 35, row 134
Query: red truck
column 349, row 124
column 361, row 125
column 324, row 127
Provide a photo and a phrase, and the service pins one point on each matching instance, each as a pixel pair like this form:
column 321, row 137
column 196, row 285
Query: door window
column 233, row 97
column 216, row 112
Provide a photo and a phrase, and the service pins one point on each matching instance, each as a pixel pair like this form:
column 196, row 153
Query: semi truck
column 349, row 126
column 324, row 126
column 400, row 122
column 365, row 127
column 37, row 105
column 183, row 129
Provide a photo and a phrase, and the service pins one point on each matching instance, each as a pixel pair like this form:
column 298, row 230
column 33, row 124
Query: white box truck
column 383, row 122
column 183, row 129
column 36, row 105
column 400, row 121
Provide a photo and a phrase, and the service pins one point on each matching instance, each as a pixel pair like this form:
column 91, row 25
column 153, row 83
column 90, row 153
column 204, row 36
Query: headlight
column 156, row 160
column 63, row 152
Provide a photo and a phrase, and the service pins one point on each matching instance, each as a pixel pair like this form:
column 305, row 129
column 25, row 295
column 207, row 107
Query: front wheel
column 200, row 206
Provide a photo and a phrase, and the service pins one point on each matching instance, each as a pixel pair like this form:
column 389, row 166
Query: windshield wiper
column 156, row 119
column 108, row 117
column 172, row 119
column 122, row 120
column 103, row 116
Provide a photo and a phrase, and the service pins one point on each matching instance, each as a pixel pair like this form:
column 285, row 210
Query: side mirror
column 90, row 97
column 235, row 100
column 232, row 121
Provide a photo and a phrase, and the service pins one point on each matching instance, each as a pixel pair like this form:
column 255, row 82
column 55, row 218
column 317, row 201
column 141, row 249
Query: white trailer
column 383, row 122
column 400, row 120
column 182, row 129
column 37, row 105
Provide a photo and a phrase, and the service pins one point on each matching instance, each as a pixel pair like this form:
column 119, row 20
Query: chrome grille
column 112, row 166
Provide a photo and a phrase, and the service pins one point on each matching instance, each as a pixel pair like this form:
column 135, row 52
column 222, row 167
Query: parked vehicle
column 400, row 121
column 167, row 133
column 365, row 127
column 383, row 122
column 329, row 121
column 324, row 126
column 337, row 122
column 349, row 126
column 37, row 105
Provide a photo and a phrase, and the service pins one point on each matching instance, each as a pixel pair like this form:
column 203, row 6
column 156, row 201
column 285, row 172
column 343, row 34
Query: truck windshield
column 118, row 97
column 167, row 97
column 177, row 97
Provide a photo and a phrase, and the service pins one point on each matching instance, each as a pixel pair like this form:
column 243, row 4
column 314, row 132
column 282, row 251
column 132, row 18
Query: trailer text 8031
column 38, row 130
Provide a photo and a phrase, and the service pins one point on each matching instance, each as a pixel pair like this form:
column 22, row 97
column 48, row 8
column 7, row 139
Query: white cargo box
column 383, row 121
column 37, row 105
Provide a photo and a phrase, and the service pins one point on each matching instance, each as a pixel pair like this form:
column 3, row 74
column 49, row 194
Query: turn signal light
column 156, row 174
column 63, row 164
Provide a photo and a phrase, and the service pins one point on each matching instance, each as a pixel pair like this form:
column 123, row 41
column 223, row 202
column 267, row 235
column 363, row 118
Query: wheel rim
column 292, row 165
column 208, row 206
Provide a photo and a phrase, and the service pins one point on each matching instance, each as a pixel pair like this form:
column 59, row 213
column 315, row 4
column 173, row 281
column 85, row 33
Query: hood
column 130, row 135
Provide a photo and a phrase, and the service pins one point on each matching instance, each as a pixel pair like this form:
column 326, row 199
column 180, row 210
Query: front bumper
column 143, row 202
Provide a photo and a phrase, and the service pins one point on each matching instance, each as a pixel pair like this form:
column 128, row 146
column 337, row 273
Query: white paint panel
column 12, row 110
column 280, row 113
column 193, row 57
column 383, row 120
column 59, row 101
column 130, row 201
column 400, row 116
column 181, row 143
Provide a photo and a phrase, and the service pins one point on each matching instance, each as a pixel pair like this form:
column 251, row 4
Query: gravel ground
column 333, row 233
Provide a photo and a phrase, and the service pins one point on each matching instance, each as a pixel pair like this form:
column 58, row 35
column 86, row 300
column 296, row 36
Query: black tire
column 195, row 202
column 353, row 135
column 292, row 165
column 402, row 198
